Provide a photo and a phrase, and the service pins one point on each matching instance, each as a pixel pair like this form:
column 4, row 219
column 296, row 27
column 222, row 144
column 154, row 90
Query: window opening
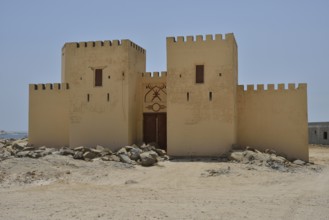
column 98, row 77
column 108, row 97
column 325, row 135
column 210, row 96
column 199, row 73
column 88, row 97
column 188, row 96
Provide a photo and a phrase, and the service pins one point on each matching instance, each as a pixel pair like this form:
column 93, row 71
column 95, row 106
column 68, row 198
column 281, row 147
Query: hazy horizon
column 278, row 41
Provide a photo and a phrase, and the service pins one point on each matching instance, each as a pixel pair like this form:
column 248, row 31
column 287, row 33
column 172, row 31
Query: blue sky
column 279, row 41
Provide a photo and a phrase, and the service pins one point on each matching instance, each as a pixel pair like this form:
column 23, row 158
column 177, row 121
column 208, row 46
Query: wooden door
column 155, row 129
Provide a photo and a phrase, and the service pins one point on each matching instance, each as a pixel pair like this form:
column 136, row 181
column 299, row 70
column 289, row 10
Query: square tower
column 103, row 80
column 201, row 95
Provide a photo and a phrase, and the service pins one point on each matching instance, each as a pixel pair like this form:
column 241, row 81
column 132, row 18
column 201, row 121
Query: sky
column 279, row 41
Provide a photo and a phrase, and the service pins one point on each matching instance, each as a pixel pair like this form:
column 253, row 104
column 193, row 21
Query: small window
column 199, row 73
column 188, row 96
column 325, row 135
column 98, row 77
column 108, row 97
column 88, row 97
column 210, row 96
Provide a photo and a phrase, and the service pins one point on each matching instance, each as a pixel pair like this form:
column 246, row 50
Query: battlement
column 201, row 38
column 49, row 86
column 154, row 75
column 104, row 44
column 272, row 87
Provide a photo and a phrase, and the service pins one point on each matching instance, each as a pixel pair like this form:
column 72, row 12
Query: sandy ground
column 58, row 187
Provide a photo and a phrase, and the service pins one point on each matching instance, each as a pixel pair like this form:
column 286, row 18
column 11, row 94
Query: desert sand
column 59, row 187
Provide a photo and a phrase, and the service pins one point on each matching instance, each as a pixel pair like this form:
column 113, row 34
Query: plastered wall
column 49, row 115
column 274, row 119
column 108, row 116
column 196, row 125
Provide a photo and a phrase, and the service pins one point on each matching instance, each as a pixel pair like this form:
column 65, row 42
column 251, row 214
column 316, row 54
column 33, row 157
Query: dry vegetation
column 59, row 187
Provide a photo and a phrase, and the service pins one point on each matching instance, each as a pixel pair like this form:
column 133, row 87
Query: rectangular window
column 98, row 77
column 325, row 135
column 199, row 73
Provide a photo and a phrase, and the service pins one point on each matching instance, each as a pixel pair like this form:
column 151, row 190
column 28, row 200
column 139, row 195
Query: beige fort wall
column 108, row 117
column 148, row 83
column 49, row 114
column 196, row 125
column 274, row 119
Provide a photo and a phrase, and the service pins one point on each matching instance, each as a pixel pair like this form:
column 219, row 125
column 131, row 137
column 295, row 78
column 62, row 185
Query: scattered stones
column 216, row 172
column 131, row 182
column 267, row 158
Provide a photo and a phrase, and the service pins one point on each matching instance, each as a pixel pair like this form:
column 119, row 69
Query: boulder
column 134, row 153
column 148, row 159
column 128, row 148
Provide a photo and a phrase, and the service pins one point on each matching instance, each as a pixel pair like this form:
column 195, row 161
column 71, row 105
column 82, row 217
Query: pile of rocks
column 269, row 158
column 145, row 155
column 20, row 148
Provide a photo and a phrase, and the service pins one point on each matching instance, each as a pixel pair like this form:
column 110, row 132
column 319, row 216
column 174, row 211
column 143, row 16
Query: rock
column 131, row 182
column 5, row 154
column 146, row 148
column 42, row 148
column 125, row 159
column 81, row 148
column 134, row 153
column 237, row 156
column 128, row 148
column 270, row 151
column 66, row 151
column 148, row 159
column 33, row 154
column 97, row 152
column 89, row 155
column 122, row 151
column 299, row 162
column 78, row 155
column 250, row 148
column 114, row 158
column 18, row 146
column 28, row 148
column 22, row 154
column 160, row 152
column 100, row 148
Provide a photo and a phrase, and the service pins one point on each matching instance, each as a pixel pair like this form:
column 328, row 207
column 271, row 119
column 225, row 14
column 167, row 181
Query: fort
column 195, row 108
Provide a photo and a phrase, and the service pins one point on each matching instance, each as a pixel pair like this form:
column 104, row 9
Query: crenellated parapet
column 200, row 38
column 153, row 77
column 49, row 87
column 272, row 87
column 104, row 44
